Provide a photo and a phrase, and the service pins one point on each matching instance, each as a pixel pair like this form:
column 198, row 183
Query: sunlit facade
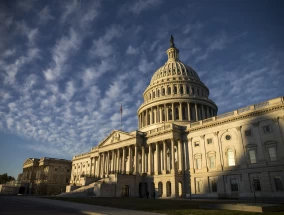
column 182, row 148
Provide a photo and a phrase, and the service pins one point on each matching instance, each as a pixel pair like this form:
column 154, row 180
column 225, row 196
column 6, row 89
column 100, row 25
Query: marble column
column 117, row 161
column 196, row 112
column 130, row 164
column 150, row 160
column 136, row 160
column 207, row 110
column 143, row 159
column 173, row 112
column 180, row 154
column 113, row 162
column 165, row 113
column 188, row 111
column 91, row 167
column 180, row 111
column 173, row 155
column 157, row 159
column 151, row 116
column 165, row 157
column 123, row 160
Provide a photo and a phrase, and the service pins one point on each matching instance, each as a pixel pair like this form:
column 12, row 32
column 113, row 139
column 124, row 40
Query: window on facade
column 163, row 91
column 211, row 161
column 248, row 133
column 198, row 186
column 187, row 89
column 278, row 184
column 181, row 89
column 256, row 184
column 153, row 95
column 228, row 137
column 193, row 90
column 158, row 93
column 55, row 169
column 196, row 143
column 175, row 89
column 209, row 141
column 266, row 129
column 169, row 90
column 234, row 185
column 214, row 186
column 272, row 153
column 198, row 163
column 252, row 156
column 231, row 157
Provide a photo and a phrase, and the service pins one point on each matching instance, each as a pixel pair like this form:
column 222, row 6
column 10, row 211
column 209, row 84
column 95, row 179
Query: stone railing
column 163, row 128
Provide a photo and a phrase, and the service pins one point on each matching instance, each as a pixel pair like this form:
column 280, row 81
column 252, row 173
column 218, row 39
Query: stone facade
column 182, row 148
column 45, row 176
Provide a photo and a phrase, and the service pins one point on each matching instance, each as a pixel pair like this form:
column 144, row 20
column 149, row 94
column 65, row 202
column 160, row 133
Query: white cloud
column 131, row 51
column 44, row 15
column 60, row 53
column 139, row 6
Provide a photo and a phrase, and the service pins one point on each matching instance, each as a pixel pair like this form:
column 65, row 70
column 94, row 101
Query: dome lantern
column 172, row 52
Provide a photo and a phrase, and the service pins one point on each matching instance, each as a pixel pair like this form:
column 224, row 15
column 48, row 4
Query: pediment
column 30, row 161
column 114, row 137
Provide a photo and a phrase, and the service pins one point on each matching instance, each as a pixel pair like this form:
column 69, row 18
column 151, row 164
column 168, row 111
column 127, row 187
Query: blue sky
column 65, row 66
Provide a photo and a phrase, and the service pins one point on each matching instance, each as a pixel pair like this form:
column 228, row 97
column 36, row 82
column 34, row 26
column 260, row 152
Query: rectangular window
column 256, row 184
column 266, row 129
column 252, row 156
column 234, row 185
column 196, row 144
column 231, row 158
column 213, row 186
column 248, row 132
column 198, row 163
column 272, row 153
column 211, row 162
column 209, row 141
column 278, row 184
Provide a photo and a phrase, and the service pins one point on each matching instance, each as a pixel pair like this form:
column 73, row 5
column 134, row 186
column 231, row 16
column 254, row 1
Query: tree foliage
column 5, row 178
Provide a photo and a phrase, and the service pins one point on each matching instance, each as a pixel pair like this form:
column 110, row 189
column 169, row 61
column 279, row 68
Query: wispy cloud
column 139, row 6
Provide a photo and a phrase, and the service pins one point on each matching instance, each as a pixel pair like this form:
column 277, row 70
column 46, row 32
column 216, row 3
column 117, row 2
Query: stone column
column 157, row 159
column 103, row 163
column 165, row 112
column 180, row 154
column 113, row 162
column 143, row 159
column 165, row 157
column 212, row 114
column 188, row 111
column 161, row 114
column 173, row 155
column 130, row 159
column 203, row 112
column 91, row 166
column 123, row 161
column 180, row 111
column 173, row 112
column 117, row 161
column 151, row 116
column 136, row 160
column 150, row 160
column 196, row 113
column 207, row 110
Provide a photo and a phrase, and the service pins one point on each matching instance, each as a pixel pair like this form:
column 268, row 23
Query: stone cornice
column 236, row 118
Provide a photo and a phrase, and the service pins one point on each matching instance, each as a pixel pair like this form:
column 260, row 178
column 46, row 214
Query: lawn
column 167, row 206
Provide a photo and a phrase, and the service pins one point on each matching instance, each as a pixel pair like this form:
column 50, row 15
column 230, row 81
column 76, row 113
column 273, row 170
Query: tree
column 5, row 178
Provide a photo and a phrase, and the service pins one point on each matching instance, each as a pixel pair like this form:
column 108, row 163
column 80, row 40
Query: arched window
column 149, row 95
column 169, row 90
column 231, row 157
column 158, row 93
column 181, row 89
column 187, row 89
column 163, row 91
column 153, row 94
column 175, row 89
column 198, row 92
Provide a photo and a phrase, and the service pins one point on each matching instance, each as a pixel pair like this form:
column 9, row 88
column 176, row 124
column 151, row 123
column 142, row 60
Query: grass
column 166, row 206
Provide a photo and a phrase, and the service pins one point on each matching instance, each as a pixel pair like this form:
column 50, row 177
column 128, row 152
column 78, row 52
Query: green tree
column 5, row 178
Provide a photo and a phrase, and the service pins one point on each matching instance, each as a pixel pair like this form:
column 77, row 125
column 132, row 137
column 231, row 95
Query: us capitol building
column 182, row 148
